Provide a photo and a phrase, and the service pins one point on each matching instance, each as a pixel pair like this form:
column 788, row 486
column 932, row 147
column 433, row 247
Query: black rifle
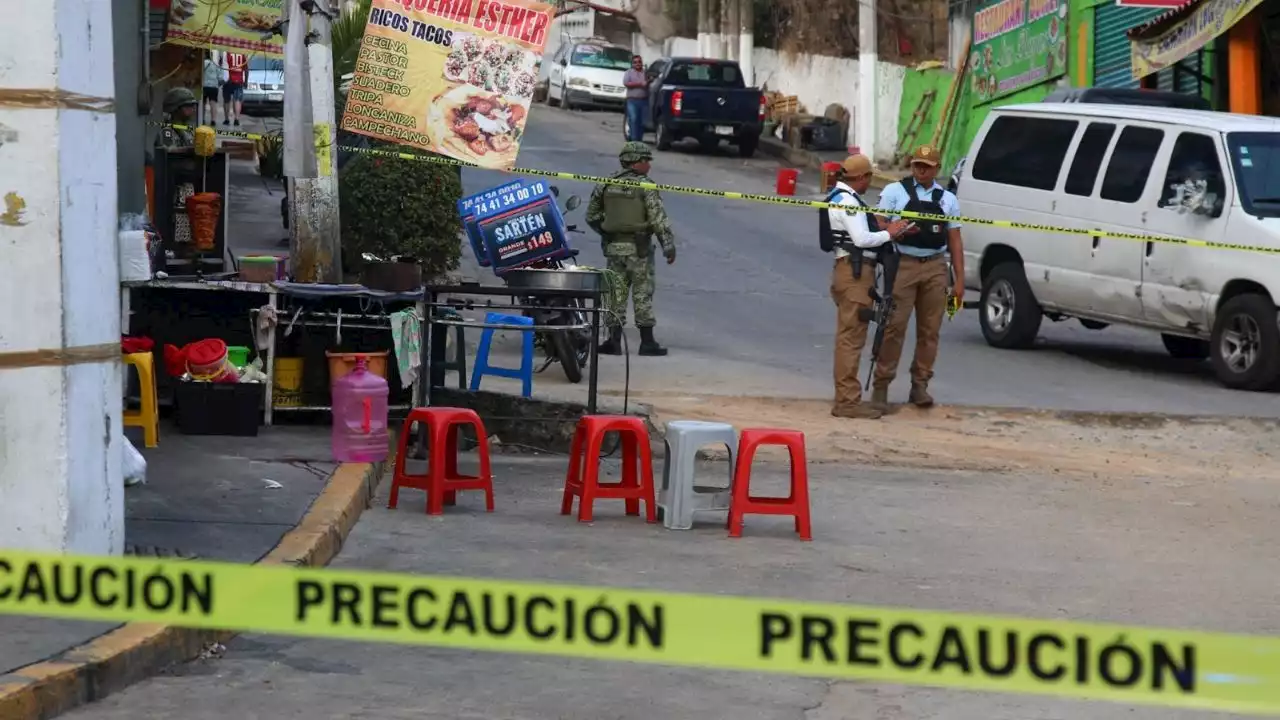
column 881, row 310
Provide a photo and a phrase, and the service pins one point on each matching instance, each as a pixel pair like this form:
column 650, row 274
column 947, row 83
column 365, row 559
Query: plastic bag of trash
column 135, row 466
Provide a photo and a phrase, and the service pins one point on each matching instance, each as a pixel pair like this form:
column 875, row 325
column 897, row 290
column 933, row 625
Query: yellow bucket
column 286, row 390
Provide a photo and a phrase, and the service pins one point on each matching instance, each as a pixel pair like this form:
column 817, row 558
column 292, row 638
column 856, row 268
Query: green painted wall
column 915, row 84
column 968, row 118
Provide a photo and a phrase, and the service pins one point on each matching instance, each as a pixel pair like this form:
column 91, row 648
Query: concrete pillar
column 1244, row 53
column 316, row 247
column 60, row 473
column 865, row 118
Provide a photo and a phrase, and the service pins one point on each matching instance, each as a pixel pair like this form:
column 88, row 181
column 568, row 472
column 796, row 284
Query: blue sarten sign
column 467, row 209
column 519, row 225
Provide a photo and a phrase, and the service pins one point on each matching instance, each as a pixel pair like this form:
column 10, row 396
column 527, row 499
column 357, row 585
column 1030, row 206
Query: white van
column 1146, row 170
column 588, row 73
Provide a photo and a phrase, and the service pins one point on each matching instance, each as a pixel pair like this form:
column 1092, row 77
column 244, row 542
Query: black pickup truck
column 704, row 99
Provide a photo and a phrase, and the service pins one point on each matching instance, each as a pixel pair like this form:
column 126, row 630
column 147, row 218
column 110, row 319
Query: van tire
column 1017, row 322
column 747, row 147
column 1254, row 317
column 1185, row 348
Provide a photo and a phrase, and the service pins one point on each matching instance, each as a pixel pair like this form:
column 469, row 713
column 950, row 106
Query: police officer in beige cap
column 852, row 237
column 922, row 279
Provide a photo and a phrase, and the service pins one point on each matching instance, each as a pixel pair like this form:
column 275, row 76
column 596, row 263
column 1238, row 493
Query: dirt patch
column 1011, row 441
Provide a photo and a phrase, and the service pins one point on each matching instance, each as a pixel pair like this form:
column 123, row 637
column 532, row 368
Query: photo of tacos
column 491, row 65
column 476, row 126
column 181, row 11
column 252, row 21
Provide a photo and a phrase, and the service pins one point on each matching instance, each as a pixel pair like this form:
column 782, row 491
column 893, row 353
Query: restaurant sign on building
column 1152, row 52
column 1017, row 44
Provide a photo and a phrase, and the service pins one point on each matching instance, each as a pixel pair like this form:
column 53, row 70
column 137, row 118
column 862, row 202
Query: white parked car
column 588, row 73
column 1146, row 170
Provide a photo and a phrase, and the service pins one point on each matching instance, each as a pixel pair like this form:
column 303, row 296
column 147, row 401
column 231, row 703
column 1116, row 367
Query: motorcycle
column 570, row 347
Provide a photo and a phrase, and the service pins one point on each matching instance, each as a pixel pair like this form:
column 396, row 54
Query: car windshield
column 261, row 63
column 610, row 58
column 1255, row 161
column 705, row 74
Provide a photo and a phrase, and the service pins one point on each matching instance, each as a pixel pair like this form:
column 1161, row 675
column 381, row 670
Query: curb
column 135, row 651
column 806, row 160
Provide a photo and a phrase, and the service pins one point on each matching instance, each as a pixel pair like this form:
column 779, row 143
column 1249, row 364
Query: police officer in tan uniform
column 854, row 239
column 922, row 281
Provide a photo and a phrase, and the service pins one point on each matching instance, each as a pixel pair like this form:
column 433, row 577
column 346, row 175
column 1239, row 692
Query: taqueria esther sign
column 1209, row 20
column 454, row 77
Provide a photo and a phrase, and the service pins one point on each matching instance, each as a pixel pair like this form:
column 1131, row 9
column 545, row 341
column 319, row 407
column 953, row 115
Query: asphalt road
column 746, row 309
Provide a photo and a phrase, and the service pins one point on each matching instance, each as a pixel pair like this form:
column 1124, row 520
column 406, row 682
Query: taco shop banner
column 1017, row 44
column 454, row 77
column 1209, row 20
column 235, row 25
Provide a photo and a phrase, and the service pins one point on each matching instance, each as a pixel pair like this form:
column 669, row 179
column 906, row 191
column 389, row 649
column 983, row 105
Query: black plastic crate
column 205, row 408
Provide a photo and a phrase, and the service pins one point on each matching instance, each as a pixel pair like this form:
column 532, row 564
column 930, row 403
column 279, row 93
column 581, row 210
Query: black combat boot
column 649, row 346
column 612, row 346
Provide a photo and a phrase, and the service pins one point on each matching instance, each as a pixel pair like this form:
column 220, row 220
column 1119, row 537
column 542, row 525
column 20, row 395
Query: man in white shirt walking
column 852, row 279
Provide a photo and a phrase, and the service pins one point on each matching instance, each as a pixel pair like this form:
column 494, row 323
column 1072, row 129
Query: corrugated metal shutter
column 1111, row 66
column 1183, row 78
column 158, row 20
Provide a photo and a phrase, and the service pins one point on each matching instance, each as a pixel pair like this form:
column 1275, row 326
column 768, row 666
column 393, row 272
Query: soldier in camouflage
column 179, row 109
column 627, row 219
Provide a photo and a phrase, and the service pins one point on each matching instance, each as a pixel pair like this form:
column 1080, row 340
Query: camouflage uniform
column 172, row 138
column 633, row 217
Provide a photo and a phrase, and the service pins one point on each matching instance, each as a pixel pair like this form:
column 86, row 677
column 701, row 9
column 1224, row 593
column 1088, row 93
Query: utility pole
column 315, row 247
column 867, row 61
column 726, row 28
column 747, row 41
column 60, row 396
column 704, row 27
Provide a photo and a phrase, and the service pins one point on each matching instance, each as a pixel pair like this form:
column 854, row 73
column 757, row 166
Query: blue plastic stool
column 482, row 366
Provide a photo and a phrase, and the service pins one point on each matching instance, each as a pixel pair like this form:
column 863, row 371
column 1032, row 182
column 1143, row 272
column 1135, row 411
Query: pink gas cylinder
column 360, row 416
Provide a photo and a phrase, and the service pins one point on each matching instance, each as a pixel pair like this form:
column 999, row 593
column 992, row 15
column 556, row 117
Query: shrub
column 407, row 208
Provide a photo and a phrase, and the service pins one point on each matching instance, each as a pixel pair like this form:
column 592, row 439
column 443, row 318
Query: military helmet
column 634, row 152
column 178, row 97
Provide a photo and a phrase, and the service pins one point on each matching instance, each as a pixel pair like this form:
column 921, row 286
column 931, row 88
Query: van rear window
column 1024, row 151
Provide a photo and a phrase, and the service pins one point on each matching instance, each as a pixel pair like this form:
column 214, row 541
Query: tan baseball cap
column 856, row 165
column 926, row 154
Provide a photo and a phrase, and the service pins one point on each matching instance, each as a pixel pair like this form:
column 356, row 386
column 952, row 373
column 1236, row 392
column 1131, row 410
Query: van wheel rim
column 1241, row 343
column 1000, row 304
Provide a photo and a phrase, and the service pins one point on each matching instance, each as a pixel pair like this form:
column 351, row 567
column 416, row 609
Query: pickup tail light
column 764, row 104
column 677, row 102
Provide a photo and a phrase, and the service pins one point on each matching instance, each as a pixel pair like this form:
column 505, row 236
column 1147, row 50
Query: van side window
column 1089, row 153
column 1194, row 157
column 1131, row 163
column 1023, row 151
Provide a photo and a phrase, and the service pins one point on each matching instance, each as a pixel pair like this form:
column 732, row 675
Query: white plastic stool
column 680, row 498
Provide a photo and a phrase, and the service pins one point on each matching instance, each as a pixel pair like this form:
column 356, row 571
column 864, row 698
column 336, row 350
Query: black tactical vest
column 828, row 237
column 933, row 233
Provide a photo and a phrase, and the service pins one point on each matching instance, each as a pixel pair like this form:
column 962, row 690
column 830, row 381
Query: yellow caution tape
column 1175, row 668
column 813, row 204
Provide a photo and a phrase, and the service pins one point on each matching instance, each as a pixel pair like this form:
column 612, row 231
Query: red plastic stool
column 637, row 467
column 442, row 480
column 743, row 502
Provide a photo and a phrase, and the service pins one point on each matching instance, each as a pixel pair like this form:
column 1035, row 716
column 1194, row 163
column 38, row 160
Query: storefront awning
column 1171, row 36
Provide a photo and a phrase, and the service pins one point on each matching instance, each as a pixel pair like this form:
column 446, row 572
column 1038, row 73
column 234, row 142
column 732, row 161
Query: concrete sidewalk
column 212, row 498
column 1150, row 553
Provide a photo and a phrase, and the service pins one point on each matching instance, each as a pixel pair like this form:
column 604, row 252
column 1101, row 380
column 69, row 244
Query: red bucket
column 787, row 181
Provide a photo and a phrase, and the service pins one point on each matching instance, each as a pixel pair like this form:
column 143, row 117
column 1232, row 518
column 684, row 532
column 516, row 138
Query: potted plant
column 399, row 220
column 270, row 148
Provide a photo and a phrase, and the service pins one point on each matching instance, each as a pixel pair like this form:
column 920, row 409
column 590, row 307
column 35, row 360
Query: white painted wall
column 60, row 471
column 817, row 80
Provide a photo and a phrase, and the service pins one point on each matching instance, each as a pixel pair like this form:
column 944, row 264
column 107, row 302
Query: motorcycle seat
column 573, row 252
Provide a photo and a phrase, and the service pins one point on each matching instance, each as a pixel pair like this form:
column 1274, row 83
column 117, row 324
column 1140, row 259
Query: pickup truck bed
column 703, row 99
